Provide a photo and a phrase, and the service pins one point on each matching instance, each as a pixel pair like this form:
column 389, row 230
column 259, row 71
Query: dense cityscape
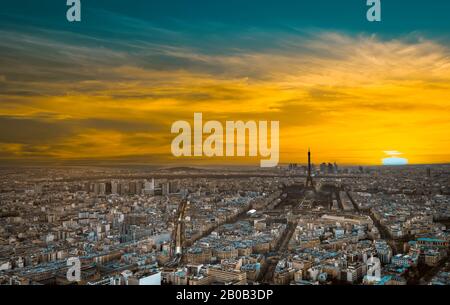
column 295, row 224
column 224, row 152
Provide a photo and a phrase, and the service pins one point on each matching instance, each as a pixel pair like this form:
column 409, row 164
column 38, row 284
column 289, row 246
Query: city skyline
column 180, row 226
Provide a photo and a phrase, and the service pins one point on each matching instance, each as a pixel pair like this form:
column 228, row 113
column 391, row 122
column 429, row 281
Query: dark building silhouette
column 330, row 168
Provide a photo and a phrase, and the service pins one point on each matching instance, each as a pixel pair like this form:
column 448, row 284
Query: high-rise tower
column 309, row 180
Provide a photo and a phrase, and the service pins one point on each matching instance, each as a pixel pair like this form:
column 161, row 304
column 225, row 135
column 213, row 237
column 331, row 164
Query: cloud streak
column 349, row 97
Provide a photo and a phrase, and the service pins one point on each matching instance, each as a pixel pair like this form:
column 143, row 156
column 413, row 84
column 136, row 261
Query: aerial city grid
column 296, row 224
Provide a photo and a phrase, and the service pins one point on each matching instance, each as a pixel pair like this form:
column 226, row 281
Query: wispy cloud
column 350, row 97
column 392, row 153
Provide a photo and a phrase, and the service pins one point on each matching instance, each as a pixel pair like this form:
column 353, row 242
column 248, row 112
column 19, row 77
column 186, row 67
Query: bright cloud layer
column 347, row 97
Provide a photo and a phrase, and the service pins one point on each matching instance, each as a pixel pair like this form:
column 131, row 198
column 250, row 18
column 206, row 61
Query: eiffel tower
column 309, row 181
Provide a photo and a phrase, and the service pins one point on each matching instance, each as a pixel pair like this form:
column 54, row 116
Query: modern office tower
column 323, row 168
column 108, row 188
column 102, row 188
column 330, row 168
column 336, row 169
column 96, row 188
column 115, row 187
column 149, row 187
column 139, row 187
column 165, row 188
column 173, row 187
column 122, row 188
column 132, row 188
column 292, row 166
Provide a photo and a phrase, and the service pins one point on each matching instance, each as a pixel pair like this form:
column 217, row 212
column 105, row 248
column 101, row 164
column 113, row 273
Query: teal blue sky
column 219, row 18
column 215, row 27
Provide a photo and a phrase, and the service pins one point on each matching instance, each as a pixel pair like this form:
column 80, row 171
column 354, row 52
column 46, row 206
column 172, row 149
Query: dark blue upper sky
column 106, row 17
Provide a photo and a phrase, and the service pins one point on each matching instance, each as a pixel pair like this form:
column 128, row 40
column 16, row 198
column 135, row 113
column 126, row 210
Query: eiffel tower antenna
column 309, row 180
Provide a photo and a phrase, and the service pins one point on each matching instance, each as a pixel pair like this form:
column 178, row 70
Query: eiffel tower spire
column 309, row 180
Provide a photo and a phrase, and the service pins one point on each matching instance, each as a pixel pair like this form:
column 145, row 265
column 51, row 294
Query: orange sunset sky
column 69, row 95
